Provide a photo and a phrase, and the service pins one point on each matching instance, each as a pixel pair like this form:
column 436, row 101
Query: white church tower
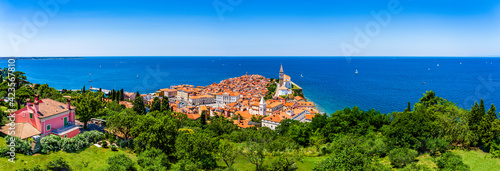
column 262, row 107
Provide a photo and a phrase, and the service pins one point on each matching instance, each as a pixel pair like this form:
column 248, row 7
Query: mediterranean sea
column 383, row 83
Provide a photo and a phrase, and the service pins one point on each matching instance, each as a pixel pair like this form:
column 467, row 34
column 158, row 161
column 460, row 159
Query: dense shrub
column 59, row 165
column 120, row 162
column 346, row 160
column 348, row 153
column 495, row 149
column 435, row 145
column 50, row 143
column 376, row 147
column 415, row 166
column 104, row 143
column 53, row 143
column 114, row 148
column 153, row 159
column 36, row 168
column 400, row 157
column 450, row 161
column 21, row 146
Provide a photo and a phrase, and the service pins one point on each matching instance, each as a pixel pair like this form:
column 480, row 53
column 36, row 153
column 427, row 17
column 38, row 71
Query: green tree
column 83, row 89
column 123, row 122
column 221, row 125
column 255, row 155
column 474, row 124
column 203, row 120
column 450, row 161
column 156, row 105
column 300, row 133
column 227, row 151
column 282, row 162
column 408, row 109
column 153, row 159
column 165, row 105
column 114, row 106
column 139, row 104
column 349, row 158
column 120, row 162
column 400, row 157
column 198, row 147
column 121, row 95
column 489, row 129
column 22, row 94
column 284, row 126
column 20, row 79
column 156, row 130
column 87, row 107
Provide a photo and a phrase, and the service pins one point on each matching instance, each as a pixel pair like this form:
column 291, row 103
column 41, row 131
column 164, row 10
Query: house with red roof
column 43, row 117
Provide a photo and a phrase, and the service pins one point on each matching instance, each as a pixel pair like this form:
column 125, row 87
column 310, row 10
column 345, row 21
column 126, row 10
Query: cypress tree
column 482, row 110
column 203, row 120
column 100, row 90
column 139, row 104
column 488, row 127
column 165, row 106
column 408, row 109
column 83, row 90
column 121, row 95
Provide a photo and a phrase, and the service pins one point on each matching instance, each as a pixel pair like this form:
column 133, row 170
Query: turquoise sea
column 383, row 83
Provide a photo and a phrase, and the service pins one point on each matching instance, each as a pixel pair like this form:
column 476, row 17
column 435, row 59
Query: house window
column 66, row 136
column 23, row 114
column 48, row 127
column 31, row 115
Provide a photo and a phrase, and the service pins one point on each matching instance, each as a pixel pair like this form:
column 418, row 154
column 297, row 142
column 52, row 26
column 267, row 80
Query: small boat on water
column 301, row 75
column 437, row 64
column 90, row 73
column 460, row 63
column 90, row 80
column 428, row 69
column 423, row 82
column 137, row 75
column 100, row 66
column 356, row 72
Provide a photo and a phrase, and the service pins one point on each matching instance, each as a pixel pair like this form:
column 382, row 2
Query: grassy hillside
column 96, row 158
column 479, row 160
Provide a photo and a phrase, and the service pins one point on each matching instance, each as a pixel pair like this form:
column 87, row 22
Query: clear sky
column 250, row 27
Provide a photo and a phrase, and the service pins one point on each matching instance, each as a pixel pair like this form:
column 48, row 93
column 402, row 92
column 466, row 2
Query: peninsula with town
column 251, row 100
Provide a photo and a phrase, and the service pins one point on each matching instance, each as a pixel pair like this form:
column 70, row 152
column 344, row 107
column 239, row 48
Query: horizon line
column 226, row 56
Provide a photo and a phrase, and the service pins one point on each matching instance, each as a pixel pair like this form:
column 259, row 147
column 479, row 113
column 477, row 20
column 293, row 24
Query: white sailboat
column 356, row 72
column 301, row 75
column 137, row 75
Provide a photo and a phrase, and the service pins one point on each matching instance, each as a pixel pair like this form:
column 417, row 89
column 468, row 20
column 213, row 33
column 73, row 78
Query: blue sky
column 250, row 28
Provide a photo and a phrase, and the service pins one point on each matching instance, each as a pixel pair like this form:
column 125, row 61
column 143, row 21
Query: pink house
column 43, row 117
